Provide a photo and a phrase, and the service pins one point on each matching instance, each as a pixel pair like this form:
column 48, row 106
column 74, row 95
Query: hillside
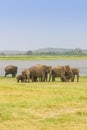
column 60, row 51
column 52, row 51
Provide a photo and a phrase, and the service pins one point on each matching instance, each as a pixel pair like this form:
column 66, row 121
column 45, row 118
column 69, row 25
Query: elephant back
column 10, row 67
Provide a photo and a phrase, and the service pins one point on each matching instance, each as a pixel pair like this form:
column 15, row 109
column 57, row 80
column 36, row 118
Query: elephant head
column 75, row 72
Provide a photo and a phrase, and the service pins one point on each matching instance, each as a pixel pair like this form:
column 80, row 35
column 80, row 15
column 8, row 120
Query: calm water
column 81, row 64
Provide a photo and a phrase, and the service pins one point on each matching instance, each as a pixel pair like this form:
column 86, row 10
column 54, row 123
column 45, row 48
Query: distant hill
column 11, row 52
column 46, row 51
column 56, row 50
column 60, row 51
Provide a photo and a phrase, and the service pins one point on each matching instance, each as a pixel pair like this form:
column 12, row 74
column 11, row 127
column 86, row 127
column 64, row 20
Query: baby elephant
column 20, row 78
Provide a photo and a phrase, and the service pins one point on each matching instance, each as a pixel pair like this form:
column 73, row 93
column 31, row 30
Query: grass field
column 42, row 57
column 43, row 106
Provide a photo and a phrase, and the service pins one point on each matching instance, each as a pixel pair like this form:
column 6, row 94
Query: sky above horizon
column 33, row 24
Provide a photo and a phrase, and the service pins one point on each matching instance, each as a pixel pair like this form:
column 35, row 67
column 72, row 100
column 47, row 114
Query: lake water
column 81, row 64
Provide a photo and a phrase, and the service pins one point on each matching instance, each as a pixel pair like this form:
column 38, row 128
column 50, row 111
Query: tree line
column 47, row 51
column 76, row 51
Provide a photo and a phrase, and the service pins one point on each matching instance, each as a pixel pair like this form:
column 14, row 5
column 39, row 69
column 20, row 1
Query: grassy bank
column 38, row 57
column 43, row 106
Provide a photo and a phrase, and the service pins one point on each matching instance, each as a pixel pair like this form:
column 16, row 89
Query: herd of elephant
column 44, row 73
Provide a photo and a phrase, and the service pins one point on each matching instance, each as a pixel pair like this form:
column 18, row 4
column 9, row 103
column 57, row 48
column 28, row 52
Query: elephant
column 71, row 76
column 64, row 72
column 41, row 72
column 20, row 78
column 75, row 72
column 26, row 74
column 11, row 69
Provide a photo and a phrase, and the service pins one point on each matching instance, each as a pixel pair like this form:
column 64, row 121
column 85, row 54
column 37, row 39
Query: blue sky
column 33, row 24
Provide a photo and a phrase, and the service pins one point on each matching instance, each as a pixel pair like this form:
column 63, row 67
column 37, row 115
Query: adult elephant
column 11, row 69
column 75, row 72
column 64, row 72
column 41, row 72
column 27, row 76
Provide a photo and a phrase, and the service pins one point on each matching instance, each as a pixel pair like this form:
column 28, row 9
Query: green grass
column 43, row 106
column 43, row 57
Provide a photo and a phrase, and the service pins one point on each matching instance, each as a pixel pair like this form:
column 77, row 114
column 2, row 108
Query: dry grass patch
column 43, row 106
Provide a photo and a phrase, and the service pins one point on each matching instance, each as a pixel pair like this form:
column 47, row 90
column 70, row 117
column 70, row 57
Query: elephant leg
column 63, row 78
column 53, row 78
column 77, row 78
column 72, row 79
column 35, row 79
column 18, row 80
column 12, row 75
column 6, row 73
column 49, row 77
column 25, row 78
column 22, row 79
column 28, row 78
column 68, row 78
column 46, row 76
column 40, row 78
column 43, row 79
